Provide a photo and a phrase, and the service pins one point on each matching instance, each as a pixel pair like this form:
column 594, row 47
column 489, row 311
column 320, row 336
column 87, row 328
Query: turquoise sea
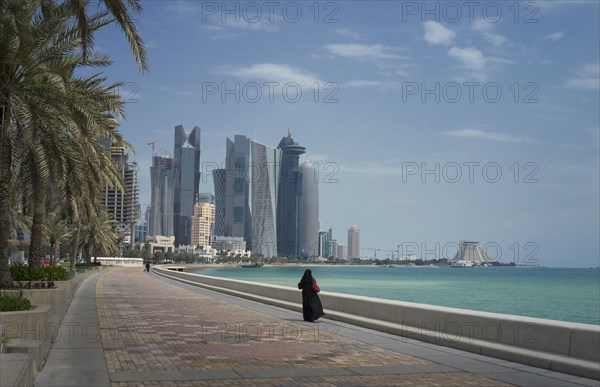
column 558, row 294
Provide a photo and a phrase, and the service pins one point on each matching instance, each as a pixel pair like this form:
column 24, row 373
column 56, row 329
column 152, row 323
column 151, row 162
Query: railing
column 559, row 346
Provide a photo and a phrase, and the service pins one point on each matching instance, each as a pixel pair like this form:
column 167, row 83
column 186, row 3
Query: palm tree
column 57, row 230
column 44, row 109
column 122, row 11
column 99, row 235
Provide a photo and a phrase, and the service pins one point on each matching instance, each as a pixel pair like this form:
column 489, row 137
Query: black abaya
column 312, row 309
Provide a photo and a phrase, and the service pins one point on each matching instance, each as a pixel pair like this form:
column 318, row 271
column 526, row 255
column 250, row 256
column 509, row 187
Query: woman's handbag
column 315, row 287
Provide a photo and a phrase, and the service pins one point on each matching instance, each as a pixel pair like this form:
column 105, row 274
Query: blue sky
column 432, row 122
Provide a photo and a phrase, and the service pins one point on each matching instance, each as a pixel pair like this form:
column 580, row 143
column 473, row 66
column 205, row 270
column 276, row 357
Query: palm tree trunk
column 5, row 202
column 37, row 226
column 53, row 246
column 74, row 249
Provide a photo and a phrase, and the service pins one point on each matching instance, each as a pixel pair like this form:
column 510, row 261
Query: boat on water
column 251, row 265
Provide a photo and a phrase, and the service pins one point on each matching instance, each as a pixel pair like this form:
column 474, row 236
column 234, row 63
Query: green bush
column 13, row 303
column 22, row 272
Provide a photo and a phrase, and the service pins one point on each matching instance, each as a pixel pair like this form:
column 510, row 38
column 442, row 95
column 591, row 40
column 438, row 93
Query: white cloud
column 363, row 51
column 488, row 135
column 471, row 58
column 273, row 72
column 474, row 61
column 435, row 33
column 218, row 21
column 360, row 83
column 385, row 168
column 554, row 36
column 485, row 27
column 482, row 25
column 348, row 33
column 587, row 77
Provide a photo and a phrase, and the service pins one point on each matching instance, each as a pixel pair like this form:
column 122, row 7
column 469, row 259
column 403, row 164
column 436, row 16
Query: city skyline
column 477, row 127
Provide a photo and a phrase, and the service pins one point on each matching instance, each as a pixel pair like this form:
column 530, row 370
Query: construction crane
column 374, row 250
column 152, row 144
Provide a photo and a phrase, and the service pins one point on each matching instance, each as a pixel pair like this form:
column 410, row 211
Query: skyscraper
column 122, row 205
column 288, row 227
column 206, row 197
column 162, row 180
column 308, row 210
column 264, row 189
column 202, row 224
column 219, row 183
column 238, row 219
column 187, row 181
column 353, row 242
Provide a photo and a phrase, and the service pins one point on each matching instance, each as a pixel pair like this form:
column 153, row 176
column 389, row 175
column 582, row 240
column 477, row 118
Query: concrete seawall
column 571, row 348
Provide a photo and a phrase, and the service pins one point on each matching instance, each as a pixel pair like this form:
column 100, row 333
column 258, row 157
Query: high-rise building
column 342, row 252
column 264, row 189
column 288, row 227
column 334, row 248
column 328, row 248
column 308, row 210
column 206, row 197
column 353, row 242
column 238, row 219
column 162, row 194
column 325, row 243
column 202, row 224
column 187, row 181
column 122, row 205
column 219, row 176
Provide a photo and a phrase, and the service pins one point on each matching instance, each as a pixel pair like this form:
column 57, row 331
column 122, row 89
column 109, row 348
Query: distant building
column 327, row 250
column 238, row 219
column 140, row 231
column 264, row 189
column 206, row 197
column 122, row 205
column 202, row 224
column 162, row 183
column 342, row 252
column 353, row 242
column 334, row 248
column 308, row 210
column 288, row 226
column 470, row 253
column 324, row 244
column 219, row 183
column 187, row 181
column 232, row 245
column 161, row 243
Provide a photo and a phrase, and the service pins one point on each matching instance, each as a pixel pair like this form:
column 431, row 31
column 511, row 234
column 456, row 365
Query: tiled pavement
column 158, row 332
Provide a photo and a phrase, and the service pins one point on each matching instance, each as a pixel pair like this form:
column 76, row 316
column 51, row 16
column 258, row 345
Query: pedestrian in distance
column 148, row 267
column 312, row 309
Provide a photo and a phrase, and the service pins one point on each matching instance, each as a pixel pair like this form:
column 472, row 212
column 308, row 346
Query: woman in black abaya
column 312, row 308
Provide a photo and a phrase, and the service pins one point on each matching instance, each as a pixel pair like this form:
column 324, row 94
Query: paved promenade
column 131, row 328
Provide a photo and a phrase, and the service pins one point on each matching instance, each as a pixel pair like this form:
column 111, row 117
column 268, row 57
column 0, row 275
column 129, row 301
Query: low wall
column 559, row 346
column 33, row 331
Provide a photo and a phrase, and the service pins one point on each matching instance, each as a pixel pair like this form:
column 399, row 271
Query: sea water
column 553, row 293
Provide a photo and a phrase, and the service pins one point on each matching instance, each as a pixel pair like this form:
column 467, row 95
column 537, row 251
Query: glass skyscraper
column 308, row 210
column 219, row 183
column 238, row 218
column 162, row 179
column 288, row 227
column 187, row 181
column 264, row 189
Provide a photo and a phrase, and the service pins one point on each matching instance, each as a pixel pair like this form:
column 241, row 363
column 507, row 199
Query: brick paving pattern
column 157, row 334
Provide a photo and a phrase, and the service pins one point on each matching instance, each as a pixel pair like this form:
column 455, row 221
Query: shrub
column 9, row 303
column 37, row 277
column 22, row 272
